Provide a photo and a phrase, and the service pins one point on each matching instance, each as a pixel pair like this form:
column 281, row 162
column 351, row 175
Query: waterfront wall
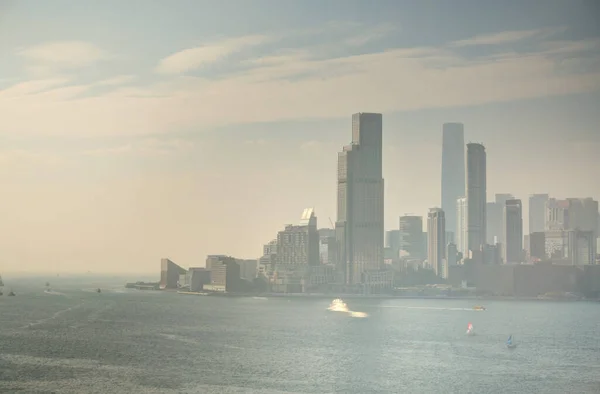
column 526, row 280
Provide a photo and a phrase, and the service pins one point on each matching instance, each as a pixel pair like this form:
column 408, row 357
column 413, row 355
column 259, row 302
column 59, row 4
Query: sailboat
column 470, row 331
column 509, row 342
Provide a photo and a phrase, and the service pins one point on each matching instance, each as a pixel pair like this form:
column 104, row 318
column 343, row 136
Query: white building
column 461, row 228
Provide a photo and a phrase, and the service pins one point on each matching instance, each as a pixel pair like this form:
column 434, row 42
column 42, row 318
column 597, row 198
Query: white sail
column 470, row 329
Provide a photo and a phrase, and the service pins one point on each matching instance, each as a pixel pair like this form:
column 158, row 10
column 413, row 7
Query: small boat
column 98, row 290
column 509, row 342
column 338, row 305
column 11, row 294
column 479, row 308
column 470, row 331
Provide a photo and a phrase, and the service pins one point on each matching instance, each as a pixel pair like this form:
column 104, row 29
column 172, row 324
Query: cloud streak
column 505, row 37
column 64, row 54
column 293, row 84
column 195, row 58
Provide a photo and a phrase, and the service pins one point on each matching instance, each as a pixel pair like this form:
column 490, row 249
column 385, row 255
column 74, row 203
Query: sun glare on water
column 339, row 305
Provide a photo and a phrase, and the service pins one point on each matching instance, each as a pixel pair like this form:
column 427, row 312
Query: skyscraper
column 513, row 231
column 359, row 226
column 453, row 170
column 476, row 190
column 495, row 219
column 436, row 234
column 411, row 236
column 461, row 226
column 537, row 212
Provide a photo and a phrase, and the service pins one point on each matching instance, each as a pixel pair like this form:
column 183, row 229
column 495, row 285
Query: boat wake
column 53, row 317
column 339, row 305
column 428, row 307
column 52, row 292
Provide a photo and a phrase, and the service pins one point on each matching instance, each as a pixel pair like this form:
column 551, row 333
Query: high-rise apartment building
column 411, row 236
column 299, row 244
column 436, row 231
column 513, row 231
column 461, row 227
column 453, row 170
column 359, row 225
column 537, row 212
column 297, row 253
column 476, row 191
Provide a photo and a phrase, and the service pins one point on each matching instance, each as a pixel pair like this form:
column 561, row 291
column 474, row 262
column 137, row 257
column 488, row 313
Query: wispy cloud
column 194, row 58
column 506, row 37
column 144, row 147
column 29, row 87
column 64, row 54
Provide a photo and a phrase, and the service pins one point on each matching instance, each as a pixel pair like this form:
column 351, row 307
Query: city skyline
column 224, row 127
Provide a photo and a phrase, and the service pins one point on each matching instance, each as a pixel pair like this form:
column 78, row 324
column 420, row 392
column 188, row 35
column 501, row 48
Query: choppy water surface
column 74, row 340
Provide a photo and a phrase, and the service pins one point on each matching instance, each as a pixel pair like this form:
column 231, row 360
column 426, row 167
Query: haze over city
column 134, row 131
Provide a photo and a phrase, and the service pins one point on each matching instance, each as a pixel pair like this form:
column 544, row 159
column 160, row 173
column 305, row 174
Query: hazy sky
column 135, row 130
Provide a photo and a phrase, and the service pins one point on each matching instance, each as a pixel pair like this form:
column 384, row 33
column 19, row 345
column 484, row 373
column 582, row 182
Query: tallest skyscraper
column 453, row 170
column 359, row 225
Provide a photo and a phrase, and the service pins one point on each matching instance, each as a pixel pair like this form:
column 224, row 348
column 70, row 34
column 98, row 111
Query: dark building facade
column 476, row 192
column 537, row 246
column 513, row 231
column 453, row 170
column 529, row 280
column 412, row 241
column 169, row 274
column 224, row 273
column 198, row 278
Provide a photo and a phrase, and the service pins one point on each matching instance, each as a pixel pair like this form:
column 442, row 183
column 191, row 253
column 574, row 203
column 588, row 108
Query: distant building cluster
column 469, row 241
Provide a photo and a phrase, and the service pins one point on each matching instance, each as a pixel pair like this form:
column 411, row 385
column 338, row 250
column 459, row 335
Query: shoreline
column 388, row 297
